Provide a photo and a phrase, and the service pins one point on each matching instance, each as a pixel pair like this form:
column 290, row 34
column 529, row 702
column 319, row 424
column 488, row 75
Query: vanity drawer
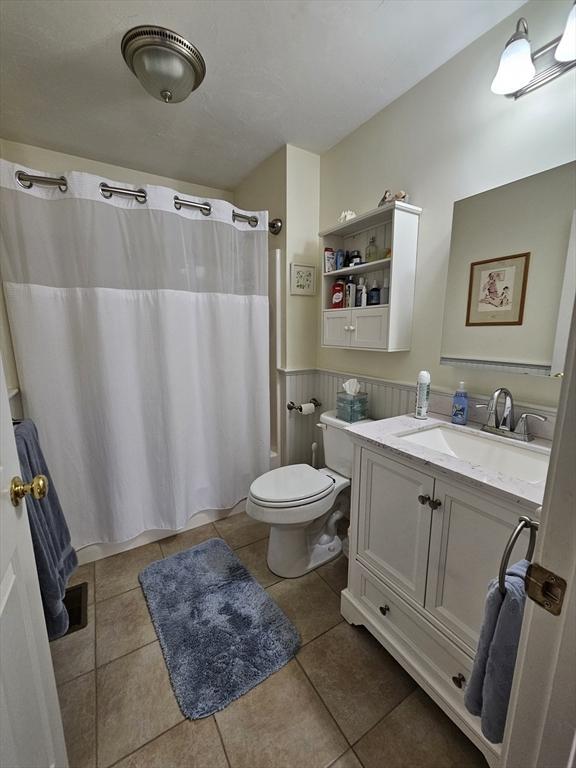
column 433, row 654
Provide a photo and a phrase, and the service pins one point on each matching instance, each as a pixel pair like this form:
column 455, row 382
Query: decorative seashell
column 387, row 197
column 401, row 195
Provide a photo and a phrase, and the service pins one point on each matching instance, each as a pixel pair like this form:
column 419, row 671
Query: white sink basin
column 528, row 463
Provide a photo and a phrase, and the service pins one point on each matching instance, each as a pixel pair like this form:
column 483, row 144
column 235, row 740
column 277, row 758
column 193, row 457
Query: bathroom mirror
column 512, row 276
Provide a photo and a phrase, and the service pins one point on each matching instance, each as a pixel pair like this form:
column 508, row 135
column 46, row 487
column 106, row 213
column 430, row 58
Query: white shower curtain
column 141, row 341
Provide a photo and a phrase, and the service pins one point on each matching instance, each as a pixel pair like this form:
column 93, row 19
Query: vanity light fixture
column 521, row 71
column 566, row 48
column 516, row 66
column 167, row 65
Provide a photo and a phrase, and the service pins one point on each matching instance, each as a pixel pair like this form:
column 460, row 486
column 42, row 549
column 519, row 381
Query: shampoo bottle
column 422, row 395
column 359, row 289
column 350, row 292
column 460, row 405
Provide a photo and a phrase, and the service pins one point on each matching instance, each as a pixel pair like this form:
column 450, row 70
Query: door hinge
column 545, row 588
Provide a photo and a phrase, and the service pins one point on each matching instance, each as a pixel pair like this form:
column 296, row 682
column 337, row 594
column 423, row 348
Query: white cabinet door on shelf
column 467, row 540
column 336, row 328
column 394, row 522
column 369, row 328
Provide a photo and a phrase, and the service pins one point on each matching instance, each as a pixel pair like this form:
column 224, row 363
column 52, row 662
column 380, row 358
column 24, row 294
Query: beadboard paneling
column 385, row 399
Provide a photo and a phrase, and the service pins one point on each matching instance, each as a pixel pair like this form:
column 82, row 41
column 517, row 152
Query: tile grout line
column 326, row 707
column 394, row 708
column 356, row 755
column 145, row 744
column 123, row 656
column 338, row 592
column 124, row 592
column 222, row 740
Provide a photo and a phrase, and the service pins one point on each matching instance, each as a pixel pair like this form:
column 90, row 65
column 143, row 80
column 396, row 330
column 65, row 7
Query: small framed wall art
column 302, row 280
column 497, row 290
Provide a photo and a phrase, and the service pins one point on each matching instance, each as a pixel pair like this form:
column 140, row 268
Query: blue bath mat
column 220, row 632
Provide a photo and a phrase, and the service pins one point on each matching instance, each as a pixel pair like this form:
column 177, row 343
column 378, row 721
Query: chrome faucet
column 495, row 422
column 504, row 424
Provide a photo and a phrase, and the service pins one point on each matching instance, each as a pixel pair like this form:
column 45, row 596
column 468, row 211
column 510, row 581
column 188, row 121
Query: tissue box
column 352, row 407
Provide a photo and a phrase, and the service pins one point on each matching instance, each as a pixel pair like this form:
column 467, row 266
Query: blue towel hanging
column 488, row 691
column 55, row 557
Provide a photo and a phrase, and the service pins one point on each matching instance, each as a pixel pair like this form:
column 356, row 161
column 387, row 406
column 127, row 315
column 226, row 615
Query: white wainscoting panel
column 385, row 399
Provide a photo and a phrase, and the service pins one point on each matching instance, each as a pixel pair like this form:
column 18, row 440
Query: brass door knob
column 38, row 487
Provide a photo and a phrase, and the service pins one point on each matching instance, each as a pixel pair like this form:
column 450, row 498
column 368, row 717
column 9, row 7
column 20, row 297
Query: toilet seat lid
column 290, row 485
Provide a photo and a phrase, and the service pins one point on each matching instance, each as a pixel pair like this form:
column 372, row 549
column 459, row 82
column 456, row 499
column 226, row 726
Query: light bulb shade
column 516, row 67
column 167, row 65
column 162, row 71
column 566, row 48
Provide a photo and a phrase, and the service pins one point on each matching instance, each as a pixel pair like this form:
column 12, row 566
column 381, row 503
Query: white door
column 369, row 328
column 542, row 716
column 30, row 723
column 336, row 330
column 394, row 522
column 469, row 533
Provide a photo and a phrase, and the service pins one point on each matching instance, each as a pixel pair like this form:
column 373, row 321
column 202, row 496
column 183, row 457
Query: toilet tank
column 338, row 447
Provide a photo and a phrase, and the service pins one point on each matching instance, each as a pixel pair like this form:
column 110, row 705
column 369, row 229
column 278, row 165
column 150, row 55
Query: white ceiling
column 305, row 72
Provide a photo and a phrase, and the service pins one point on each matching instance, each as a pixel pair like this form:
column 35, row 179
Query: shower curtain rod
column 28, row 180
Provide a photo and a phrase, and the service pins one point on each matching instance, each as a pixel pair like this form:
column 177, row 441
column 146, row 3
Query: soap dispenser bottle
column 460, row 405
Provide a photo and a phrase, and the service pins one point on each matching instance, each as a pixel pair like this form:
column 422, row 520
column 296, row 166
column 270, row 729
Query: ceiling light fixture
column 166, row 64
column 566, row 48
column 516, row 66
column 521, row 72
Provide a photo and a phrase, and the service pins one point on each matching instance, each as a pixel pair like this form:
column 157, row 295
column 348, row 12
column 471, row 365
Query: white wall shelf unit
column 382, row 327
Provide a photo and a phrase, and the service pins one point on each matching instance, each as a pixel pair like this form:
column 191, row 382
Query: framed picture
column 497, row 290
column 302, row 280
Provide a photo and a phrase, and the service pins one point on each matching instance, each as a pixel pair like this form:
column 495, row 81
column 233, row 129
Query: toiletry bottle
column 363, row 295
column 372, row 250
column 338, row 294
column 359, row 288
column 422, row 395
column 339, row 257
column 329, row 260
column 385, row 292
column 460, row 405
column 350, row 292
column 374, row 294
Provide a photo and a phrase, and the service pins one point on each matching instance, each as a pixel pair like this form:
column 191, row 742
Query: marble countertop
column 384, row 434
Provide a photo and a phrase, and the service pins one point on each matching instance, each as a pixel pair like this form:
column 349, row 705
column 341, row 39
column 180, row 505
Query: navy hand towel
column 488, row 692
column 55, row 556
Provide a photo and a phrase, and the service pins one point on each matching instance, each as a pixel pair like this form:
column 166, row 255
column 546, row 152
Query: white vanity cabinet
column 468, row 535
column 394, row 528
column 422, row 553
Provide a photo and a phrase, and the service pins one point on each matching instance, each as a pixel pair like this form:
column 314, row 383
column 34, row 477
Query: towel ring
column 523, row 522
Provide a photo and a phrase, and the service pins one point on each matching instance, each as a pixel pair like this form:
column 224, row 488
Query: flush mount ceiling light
column 521, row 71
column 166, row 64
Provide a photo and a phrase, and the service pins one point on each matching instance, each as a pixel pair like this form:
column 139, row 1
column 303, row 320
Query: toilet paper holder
column 291, row 405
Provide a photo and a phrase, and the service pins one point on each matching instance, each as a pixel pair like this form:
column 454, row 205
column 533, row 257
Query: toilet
column 303, row 505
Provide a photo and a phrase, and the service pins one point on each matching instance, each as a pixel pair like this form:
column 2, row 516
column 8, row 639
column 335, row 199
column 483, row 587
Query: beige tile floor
column 342, row 702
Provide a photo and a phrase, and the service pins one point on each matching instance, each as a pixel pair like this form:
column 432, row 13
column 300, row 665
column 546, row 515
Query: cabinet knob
column 346, row 327
column 384, row 609
column 459, row 680
column 434, row 503
column 423, row 499
column 352, row 328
